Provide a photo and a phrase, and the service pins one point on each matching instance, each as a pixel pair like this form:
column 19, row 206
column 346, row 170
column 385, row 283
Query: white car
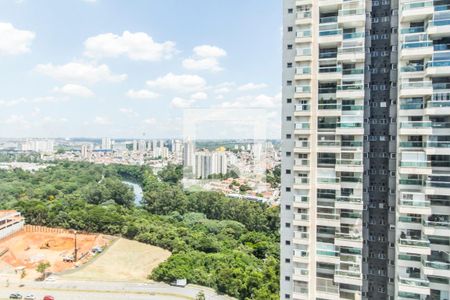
column 30, row 297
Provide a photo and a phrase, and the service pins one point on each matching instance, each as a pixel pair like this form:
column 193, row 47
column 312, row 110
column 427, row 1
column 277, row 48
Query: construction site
column 22, row 251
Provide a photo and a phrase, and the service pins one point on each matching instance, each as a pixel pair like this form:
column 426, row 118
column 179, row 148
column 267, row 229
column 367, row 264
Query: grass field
column 124, row 260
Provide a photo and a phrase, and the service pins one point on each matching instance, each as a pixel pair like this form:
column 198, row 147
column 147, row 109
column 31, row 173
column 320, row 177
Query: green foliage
column 227, row 244
column 274, row 177
column 42, row 267
column 171, row 173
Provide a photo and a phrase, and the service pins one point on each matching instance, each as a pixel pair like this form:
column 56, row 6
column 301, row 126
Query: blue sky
column 123, row 68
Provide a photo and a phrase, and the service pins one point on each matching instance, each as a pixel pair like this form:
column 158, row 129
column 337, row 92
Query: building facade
column 365, row 162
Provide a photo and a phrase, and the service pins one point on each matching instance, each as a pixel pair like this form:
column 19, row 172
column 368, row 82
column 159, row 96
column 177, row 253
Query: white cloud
column 224, row 87
column 74, row 90
column 13, row 102
column 16, row 120
column 48, row 119
column 128, row 111
column 80, row 72
column 23, row 100
column 205, row 58
column 199, row 96
column 179, row 83
column 102, row 120
column 209, row 51
column 137, row 46
column 260, row 101
column 141, row 94
column 14, row 41
column 178, row 102
column 252, row 86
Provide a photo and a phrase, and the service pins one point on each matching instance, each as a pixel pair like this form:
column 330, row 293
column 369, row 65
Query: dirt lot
column 124, row 260
column 27, row 249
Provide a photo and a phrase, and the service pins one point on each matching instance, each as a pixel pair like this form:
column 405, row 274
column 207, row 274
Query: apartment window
column 290, row 29
column 288, row 207
column 288, row 100
column 288, row 225
column 288, row 136
column 289, row 82
column 287, row 278
column 290, row 10
column 288, row 189
column 288, row 243
column 289, row 65
column 288, row 171
column 288, row 154
column 287, row 296
column 289, row 46
column 287, row 260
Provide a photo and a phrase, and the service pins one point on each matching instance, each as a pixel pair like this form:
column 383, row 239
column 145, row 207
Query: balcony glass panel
column 353, row 35
column 415, row 5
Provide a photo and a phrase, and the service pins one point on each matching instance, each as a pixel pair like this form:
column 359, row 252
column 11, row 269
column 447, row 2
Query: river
column 137, row 190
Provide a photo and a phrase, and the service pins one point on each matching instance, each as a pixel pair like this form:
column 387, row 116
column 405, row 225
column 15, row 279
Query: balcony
column 437, row 268
column 303, row 91
column 301, row 201
column 330, row 36
column 348, row 240
column 300, row 180
column 417, row 49
column 348, row 277
column 303, row 54
column 416, row 11
column 415, row 167
column 411, row 30
column 349, row 128
column 352, row 17
column 351, row 54
column 438, row 185
column 328, row 182
column 302, row 128
column 419, row 207
column 303, row 17
column 302, row 110
column 327, row 288
column 328, row 219
column 327, row 253
column 302, row 147
column 414, row 285
column 349, row 165
column 349, row 202
column 412, row 145
column 354, row 35
column 330, row 73
column 351, row 91
column 441, row 228
column 301, row 219
column 420, row 247
column 438, row 68
column 438, row 28
column 303, row 73
column 303, row 36
column 301, row 274
column 438, row 107
column 301, row 164
column 416, row 88
column 301, row 238
column 415, row 128
column 300, row 256
column 331, row 4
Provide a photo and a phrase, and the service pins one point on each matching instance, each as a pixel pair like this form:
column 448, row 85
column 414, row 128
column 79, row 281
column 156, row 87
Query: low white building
column 11, row 221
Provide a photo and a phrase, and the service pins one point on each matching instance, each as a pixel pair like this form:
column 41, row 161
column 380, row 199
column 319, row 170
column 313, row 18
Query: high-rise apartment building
column 365, row 200
column 107, row 143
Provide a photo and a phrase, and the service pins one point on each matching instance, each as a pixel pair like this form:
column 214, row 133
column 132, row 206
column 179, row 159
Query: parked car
column 15, row 296
column 30, row 297
column 49, row 298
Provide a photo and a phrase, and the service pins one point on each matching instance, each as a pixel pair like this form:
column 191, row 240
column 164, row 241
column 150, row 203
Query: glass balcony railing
column 304, row 15
column 409, row 257
column 412, row 68
column 416, row 85
column 441, row 47
column 351, row 179
column 442, row 7
column 409, row 45
column 416, row 5
column 438, row 265
column 417, row 29
column 414, row 203
column 350, row 87
column 301, row 217
column 301, row 235
column 300, row 253
column 438, row 63
column 328, row 143
column 301, row 125
column 347, row 236
column 330, row 69
column 437, row 224
column 324, row 55
column 408, row 219
column 350, row 162
column 411, row 106
column 438, row 184
column 327, row 180
column 303, row 70
column 304, row 52
column 441, row 86
column 353, row 35
column 301, row 199
column 351, row 143
column 442, row 103
column 418, row 182
column 330, row 32
column 299, row 271
column 352, row 107
column 303, row 34
column 355, row 71
column 328, row 106
column 440, row 125
column 415, row 164
column 351, row 50
column 351, row 12
column 325, row 126
column 417, row 282
column 346, row 273
column 332, row 19
column 351, row 215
column 438, row 144
column 302, row 144
column 302, row 107
column 301, row 180
column 443, row 22
column 416, row 124
column 349, row 199
column 349, row 125
column 303, row 89
column 415, row 243
column 412, row 144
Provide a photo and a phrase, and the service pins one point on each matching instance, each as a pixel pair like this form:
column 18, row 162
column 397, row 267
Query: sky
column 117, row 68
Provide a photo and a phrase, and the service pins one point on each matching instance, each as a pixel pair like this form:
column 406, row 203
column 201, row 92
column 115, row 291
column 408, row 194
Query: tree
column 171, row 173
column 42, row 267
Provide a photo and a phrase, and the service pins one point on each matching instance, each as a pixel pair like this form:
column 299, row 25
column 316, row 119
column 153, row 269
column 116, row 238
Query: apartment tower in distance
column 365, row 200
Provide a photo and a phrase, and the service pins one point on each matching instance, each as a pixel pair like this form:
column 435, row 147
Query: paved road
column 79, row 290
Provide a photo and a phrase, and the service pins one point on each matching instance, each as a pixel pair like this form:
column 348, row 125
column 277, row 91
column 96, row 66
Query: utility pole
column 75, row 250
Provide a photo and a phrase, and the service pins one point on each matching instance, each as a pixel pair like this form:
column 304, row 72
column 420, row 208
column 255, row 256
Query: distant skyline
column 86, row 68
